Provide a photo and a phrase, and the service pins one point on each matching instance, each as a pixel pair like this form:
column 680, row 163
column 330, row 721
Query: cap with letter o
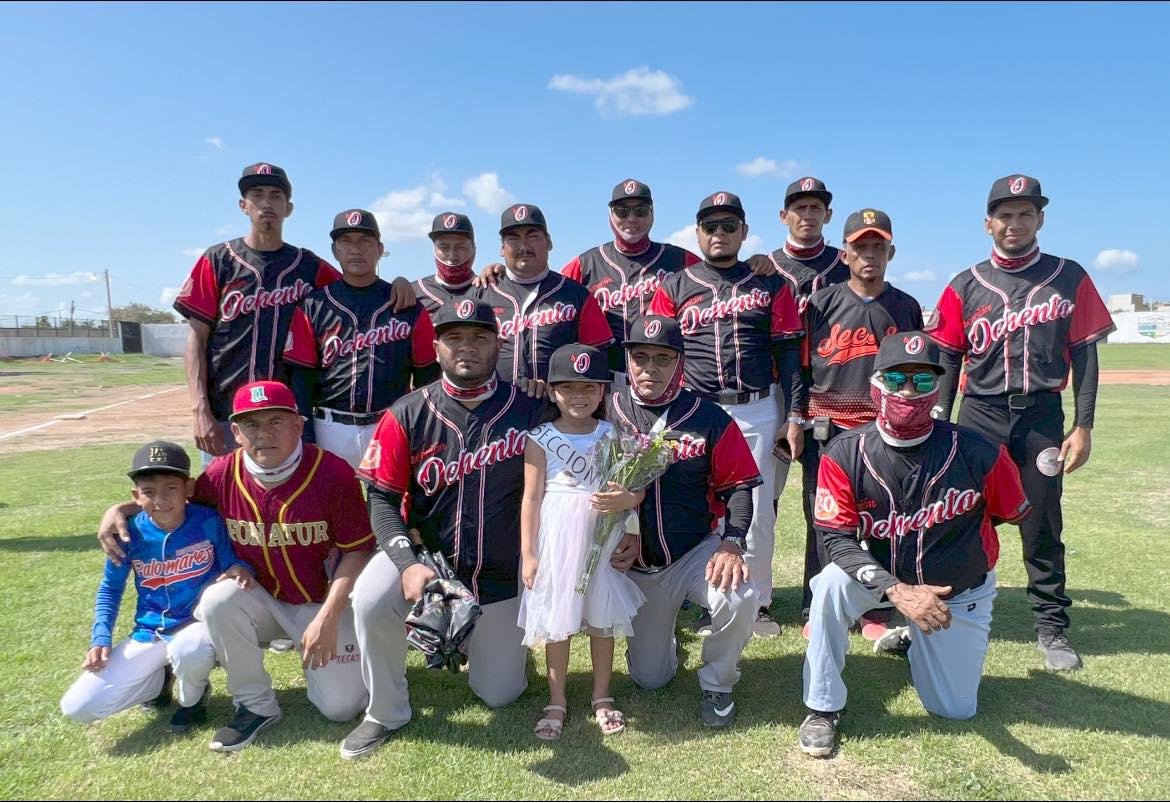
column 906, row 348
column 1016, row 188
column 720, row 202
column 656, row 330
column 160, row 456
column 451, row 223
column 464, row 312
column 864, row 221
column 355, row 220
column 264, row 174
column 807, row 186
column 518, row 215
column 264, row 395
column 575, row 362
column 631, row 189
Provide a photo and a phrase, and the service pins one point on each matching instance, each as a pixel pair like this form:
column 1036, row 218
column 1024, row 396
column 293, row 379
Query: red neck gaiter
column 625, row 246
column 454, row 276
column 797, row 252
column 478, row 393
column 668, row 395
column 1015, row 263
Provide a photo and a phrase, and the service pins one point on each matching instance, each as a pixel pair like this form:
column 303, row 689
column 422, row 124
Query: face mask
column 280, row 473
column 454, row 276
column 673, row 385
column 626, row 246
column 902, row 421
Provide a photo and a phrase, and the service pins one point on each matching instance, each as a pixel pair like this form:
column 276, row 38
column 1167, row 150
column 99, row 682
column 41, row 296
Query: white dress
column 552, row 610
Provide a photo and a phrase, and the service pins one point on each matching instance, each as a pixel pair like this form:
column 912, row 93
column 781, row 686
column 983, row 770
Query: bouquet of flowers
column 632, row 460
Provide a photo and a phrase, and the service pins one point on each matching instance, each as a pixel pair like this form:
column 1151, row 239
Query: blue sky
column 126, row 127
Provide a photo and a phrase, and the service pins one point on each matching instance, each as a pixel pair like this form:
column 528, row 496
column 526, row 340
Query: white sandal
column 612, row 716
column 550, row 729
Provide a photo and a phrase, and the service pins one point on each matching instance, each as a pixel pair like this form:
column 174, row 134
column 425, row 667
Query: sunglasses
column 623, row 212
column 729, row 226
column 896, row 380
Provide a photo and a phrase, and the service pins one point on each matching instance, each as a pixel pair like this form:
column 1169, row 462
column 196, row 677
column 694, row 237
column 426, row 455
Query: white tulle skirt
column 552, row 610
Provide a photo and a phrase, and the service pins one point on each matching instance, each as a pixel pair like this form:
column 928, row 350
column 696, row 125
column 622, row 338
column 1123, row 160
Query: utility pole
column 109, row 303
column 72, row 307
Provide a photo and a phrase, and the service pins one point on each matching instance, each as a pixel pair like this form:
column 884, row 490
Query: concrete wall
column 1141, row 327
column 164, row 339
column 38, row 346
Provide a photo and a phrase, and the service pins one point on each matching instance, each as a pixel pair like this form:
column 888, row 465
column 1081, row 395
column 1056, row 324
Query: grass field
column 1103, row 733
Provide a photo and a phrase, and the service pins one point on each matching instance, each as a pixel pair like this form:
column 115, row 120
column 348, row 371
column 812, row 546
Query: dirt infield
column 1142, row 377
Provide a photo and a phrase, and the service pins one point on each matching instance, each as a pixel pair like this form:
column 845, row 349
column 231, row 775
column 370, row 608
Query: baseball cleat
column 895, row 640
column 244, row 728
column 702, row 625
column 818, row 733
column 364, row 739
column 1059, row 655
column 765, row 626
column 279, row 645
column 189, row 715
column 716, row 709
column 165, row 694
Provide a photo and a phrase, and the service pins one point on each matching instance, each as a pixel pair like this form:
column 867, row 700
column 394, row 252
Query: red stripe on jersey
column 422, row 341
column 573, row 270
column 301, row 346
column 1004, row 500
column 386, row 464
column 326, row 274
column 732, row 464
column 690, row 259
column 662, row 304
column 785, row 315
column 949, row 330
column 199, row 296
column 1091, row 319
column 592, row 327
column 835, row 507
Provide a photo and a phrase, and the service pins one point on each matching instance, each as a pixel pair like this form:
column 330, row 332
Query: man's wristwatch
column 795, row 419
column 736, row 540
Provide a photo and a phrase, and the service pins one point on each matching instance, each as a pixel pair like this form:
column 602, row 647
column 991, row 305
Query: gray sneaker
column 818, row 733
column 765, row 626
column 279, row 645
column 243, row 730
column 717, row 709
column 364, row 739
column 1059, row 656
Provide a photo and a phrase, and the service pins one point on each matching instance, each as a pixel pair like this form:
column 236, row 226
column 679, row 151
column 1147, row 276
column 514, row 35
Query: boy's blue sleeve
column 109, row 599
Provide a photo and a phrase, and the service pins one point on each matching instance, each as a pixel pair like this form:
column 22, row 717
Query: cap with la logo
column 1016, row 188
column 451, row 223
column 631, row 189
column 160, row 456
column 575, row 362
column 720, row 202
column 264, row 174
column 522, row 215
column 355, row 220
column 266, row 395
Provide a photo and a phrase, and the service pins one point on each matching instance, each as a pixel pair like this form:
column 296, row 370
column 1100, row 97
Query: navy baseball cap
column 575, row 362
column 263, row 174
column 633, row 189
column 160, row 456
column 867, row 220
column 656, row 330
column 355, row 220
column 902, row 348
column 1016, row 188
column 466, row 312
column 518, row 215
column 451, row 223
column 720, row 201
column 807, row 186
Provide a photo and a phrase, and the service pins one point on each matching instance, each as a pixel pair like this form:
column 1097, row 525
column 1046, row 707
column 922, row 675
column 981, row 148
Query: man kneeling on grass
column 907, row 507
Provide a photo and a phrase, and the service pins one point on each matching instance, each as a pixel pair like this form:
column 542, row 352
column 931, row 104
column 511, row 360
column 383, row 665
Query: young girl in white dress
column 562, row 500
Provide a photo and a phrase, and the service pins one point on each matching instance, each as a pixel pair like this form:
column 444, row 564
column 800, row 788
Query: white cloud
column 215, row 142
column 193, row 253
column 167, row 297
column 762, row 166
column 919, row 276
column 1118, row 260
column 224, row 231
column 55, row 279
column 688, row 239
column 485, row 192
column 407, row 214
column 635, row 92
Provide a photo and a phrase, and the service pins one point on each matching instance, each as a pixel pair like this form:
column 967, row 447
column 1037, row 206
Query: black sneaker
column 765, row 626
column 165, row 695
column 703, row 624
column 716, row 709
column 818, row 733
column 1059, row 655
column 364, row 739
column 187, row 716
column 242, row 731
column 895, row 641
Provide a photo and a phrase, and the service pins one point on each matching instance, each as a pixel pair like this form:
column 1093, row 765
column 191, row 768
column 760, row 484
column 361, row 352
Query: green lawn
column 1133, row 356
column 64, row 387
column 1100, row 734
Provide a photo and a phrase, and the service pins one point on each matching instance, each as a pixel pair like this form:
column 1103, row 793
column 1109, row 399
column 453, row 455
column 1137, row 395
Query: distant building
column 1128, row 302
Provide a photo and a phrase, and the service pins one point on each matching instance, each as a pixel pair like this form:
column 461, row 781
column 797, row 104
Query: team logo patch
column 373, row 456
column 353, row 218
column 263, row 170
column 866, row 573
column 631, row 187
column 581, row 363
column 913, row 344
column 1048, row 462
column 720, row 199
column 1018, row 185
column 653, row 328
column 868, row 217
column 258, row 395
column 825, row 508
column 807, row 184
column 450, row 221
column 158, row 454
column 521, row 213
column 464, row 308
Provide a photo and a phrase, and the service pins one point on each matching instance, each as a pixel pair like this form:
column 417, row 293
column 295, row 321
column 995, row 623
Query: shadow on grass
column 85, row 542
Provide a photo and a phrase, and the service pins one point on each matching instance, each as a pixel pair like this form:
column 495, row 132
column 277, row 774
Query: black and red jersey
column 1017, row 327
column 843, row 334
column 807, row 275
column 926, row 513
column 433, row 294
column 711, row 460
column 247, row 298
column 731, row 318
column 537, row 319
column 364, row 350
column 624, row 284
column 461, row 473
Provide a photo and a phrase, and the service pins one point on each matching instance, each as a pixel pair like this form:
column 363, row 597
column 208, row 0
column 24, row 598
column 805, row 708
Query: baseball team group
column 352, row 428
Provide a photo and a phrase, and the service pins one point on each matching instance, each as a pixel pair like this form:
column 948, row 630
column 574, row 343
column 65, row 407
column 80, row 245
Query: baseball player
column 692, row 526
column 907, row 507
column 537, row 311
column 454, row 450
column 351, row 353
column 624, row 274
column 845, row 324
column 454, row 243
column 740, row 330
column 287, row 505
column 1018, row 322
column 239, row 299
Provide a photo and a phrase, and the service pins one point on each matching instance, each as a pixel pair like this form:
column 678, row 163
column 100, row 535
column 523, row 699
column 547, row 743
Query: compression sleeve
column 389, row 528
column 846, row 551
column 786, row 354
column 948, row 383
column 739, row 513
column 303, row 383
column 1085, row 375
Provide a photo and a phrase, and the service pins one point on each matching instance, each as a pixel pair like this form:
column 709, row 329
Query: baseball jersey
column 927, row 513
column 287, row 532
column 624, row 284
column 1017, row 328
column 364, row 349
column 433, row 294
column 170, row 570
column 712, row 459
column 461, row 474
column 844, row 332
column 537, row 319
column 730, row 318
column 247, row 298
column 806, row 276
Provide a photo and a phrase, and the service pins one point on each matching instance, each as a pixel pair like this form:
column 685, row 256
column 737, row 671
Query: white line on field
column 70, row 416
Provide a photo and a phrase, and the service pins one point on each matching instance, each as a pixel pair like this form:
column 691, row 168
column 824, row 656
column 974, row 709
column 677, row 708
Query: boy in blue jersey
column 175, row 550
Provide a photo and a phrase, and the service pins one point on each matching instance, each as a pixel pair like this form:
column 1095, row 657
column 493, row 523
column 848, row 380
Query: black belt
column 351, row 419
column 1021, row 401
column 736, row 397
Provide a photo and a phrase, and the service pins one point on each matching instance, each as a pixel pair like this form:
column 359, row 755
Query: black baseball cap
column 721, row 201
column 263, row 174
column 355, row 220
column 656, row 330
column 465, row 312
column 1016, row 188
column 160, row 456
column 451, row 223
column 866, row 220
column 901, row 348
column 575, row 362
column 633, row 189
column 518, row 215
column 807, row 186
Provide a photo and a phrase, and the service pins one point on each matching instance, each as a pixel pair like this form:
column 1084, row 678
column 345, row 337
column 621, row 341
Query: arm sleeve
column 1003, row 491
column 225, row 553
column 739, row 513
column 422, row 341
column 199, row 295
column 947, row 323
column 303, row 383
column 109, row 599
column 207, row 484
column 594, row 328
column 349, row 522
column 1091, row 320
column 732, row 464
column 662, row 304
column 948, row 384
column 690, row 259
column 386, row 464
column 390, row 529
column 1085, row 375
column 573, row 270
column 855, row 561
column 786, row 354
column 326, row 274
column 300, row 348
column 786, row 321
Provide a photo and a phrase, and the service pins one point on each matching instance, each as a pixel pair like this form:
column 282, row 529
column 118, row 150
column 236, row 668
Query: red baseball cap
column 265, row 395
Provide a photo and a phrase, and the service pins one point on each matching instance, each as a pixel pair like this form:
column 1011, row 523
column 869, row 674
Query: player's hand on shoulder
column 489, row 276
column 922, row 604
column 415, row 580
column 535, row 388
column 402, row 294
column 113, row 532
column 96, row 659
column 1075, row 450
column 242, row 577
column 727, row 569
column 761, row 265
